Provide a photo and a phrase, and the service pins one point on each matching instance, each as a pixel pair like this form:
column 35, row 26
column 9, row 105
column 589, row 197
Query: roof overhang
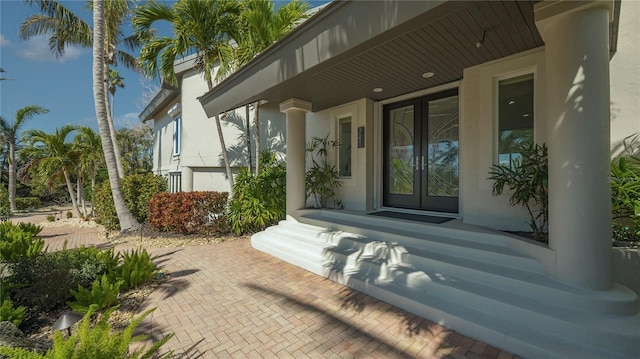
column 349, row 48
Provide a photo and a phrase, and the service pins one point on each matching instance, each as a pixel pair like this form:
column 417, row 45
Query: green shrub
column 137, row 190
column 322, row 179
column 11, row 314
column 17, row 241
column 48, row 278
column 5, row 205
column 625, row 197
column 69, row 215
column 27, row 203
column 528, row 180
column 51, row 218
column 103, row 294
column 259, row 201
column 99, row 341
column 188, row 212
column 137, row 268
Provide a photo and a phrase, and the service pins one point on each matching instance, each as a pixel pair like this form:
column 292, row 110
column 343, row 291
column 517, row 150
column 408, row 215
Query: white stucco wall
column 163, row 159
column 625, row 79
column 478, row 138
column 356, row 192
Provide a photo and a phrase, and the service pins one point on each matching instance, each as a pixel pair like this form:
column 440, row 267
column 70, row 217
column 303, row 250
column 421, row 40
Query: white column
column 576, row 36
column 296, row 135
column 187, row 179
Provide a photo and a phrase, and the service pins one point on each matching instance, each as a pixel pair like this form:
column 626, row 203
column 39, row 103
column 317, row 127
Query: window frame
column 177, row 135
column 341, row 148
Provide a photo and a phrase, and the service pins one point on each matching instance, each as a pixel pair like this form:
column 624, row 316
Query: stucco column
column 295, row 111
column 576, row 36
column 187, row 179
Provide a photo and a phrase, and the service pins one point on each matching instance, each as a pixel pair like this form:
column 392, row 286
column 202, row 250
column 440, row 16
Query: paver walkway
column 230, row 301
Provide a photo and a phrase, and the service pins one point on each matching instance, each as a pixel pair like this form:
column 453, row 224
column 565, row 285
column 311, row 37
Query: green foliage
column 102, row 342
column 18, row 241
column 137, row 268
column 5, row 205
column 625, row 196
column 69, row 215
column 137, row 190
column 51, row 218
column 102, row 295
column 11, row 314
column 188, row 212
column 27, row 203
column 259, row 200
column 49, row 277
column 19, row 353
column 527, row 179
column 321, row 180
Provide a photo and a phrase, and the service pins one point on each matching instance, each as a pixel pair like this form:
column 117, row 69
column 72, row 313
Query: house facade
column 425, row 97
column 186, row 146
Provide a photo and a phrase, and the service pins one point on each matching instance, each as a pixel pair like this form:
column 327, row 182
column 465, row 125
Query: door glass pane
column 442, row 147
column 344, row 151
column 401, row 157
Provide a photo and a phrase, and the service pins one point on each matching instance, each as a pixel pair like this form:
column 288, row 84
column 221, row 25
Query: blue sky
column 64, row 85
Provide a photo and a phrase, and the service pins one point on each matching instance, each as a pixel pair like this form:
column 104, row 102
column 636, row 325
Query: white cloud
column 37, row 49
column 129, row 120
column 4, row 41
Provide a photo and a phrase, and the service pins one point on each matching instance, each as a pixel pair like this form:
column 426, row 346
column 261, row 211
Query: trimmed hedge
column 27, row 203
column 189, row 212
column 137, row 190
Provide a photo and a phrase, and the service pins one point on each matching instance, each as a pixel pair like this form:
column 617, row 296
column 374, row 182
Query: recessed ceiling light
column 511, row 102
column 426, row 75
column 377, row 89
column 525, row 115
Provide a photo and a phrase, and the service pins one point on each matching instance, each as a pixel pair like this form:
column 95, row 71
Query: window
column 175, row 182
column 176, row 136
column 515, row 117
column 344, row 151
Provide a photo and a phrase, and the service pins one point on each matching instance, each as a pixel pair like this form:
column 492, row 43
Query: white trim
column 421, row 93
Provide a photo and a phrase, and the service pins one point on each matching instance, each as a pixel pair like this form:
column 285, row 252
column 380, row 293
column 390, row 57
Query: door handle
column 416, row 166
column 423, row 163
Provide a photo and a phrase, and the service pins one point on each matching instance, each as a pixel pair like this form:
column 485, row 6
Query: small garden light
column 66, row 321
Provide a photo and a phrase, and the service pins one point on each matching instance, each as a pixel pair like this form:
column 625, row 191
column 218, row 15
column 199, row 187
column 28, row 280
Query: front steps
column 466, row 278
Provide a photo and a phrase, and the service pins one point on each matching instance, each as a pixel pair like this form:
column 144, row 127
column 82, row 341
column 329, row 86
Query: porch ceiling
column 440, row 39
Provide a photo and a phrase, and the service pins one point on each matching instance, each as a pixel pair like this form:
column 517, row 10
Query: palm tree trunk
column 12, row 176
column 112, row 130
column 256, row 106
column 72, row 194
column 126, row 219
column 225, row 156
column 93, row 191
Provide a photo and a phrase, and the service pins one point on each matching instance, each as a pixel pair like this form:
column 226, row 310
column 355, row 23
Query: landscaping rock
column 11, row 336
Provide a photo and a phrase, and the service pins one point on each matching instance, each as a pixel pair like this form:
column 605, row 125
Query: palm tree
column 259, row 26
column 114, row 81
column 202, row 27
column 65, row 28
column 9, row 132
column 91, row 157
column 3, row 78
column 125, row 217
column 53, row 157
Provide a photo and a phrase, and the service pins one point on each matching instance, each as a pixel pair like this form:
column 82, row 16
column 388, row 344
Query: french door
column 421, row 153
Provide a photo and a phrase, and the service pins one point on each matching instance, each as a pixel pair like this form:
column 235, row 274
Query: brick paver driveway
column 229, row 300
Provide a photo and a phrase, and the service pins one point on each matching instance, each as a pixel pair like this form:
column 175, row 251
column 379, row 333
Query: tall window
column 176, row 136
column 515, row 117
column 344, row 151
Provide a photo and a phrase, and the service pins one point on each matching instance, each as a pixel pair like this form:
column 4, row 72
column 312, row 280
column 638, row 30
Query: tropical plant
column 97, row 341
column 258, row 27
column 137, row 268
column 19, row 241
column 5, row 206
column 527, row 179
column 259, row 200
column 53, row 157
column 625, row 195
column 136, row 144
column 91, row 159
column 200, row 27
column 9, row 134
column 322, row 178
column 11, row 314
column 102, row 295
column 189, row 212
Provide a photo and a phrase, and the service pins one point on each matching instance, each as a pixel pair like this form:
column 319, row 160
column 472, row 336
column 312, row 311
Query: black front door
column 421, row 153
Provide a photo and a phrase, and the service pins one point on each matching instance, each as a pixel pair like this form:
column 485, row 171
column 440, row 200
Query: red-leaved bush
column 188, row 212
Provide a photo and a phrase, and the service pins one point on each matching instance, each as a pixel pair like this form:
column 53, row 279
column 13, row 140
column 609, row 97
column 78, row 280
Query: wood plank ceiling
column 442, row 44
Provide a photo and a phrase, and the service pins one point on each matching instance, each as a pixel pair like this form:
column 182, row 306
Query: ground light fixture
column 66, row 321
